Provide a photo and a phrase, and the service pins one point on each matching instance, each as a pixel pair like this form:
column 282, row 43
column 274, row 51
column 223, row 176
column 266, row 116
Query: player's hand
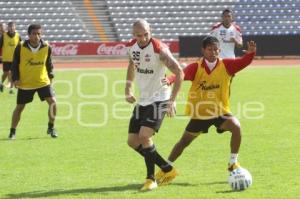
column 165, row 81
column 17, row 83
column 130, row 98
column 251, row 47
column 171, row 109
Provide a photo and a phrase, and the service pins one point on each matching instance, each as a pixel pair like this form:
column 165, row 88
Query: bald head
column 141, row 31
column 141, row 23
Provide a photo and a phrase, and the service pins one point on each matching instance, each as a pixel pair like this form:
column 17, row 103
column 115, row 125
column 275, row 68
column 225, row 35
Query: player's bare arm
column 167, row 58
column 129, row 79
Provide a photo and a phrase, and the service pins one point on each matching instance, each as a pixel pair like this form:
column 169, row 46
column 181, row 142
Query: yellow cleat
column 159, row 175
column 233, row 166
column 149, row 185
column 165, row 178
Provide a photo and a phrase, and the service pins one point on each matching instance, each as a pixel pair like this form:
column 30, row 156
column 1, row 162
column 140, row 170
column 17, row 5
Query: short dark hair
column 33, row 27
column 227, row 10
column 11, row 23
column 209, row 40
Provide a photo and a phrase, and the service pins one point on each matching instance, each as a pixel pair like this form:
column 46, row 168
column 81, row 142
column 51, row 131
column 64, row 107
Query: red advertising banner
column 98, row 48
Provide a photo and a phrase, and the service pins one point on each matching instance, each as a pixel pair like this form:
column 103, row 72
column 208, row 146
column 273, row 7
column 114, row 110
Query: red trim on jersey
column 235, row 65
column 232, row 66
column 131, row 43
column 157, row 45
column 189, row 73
column 217, row 25
column 238, row 28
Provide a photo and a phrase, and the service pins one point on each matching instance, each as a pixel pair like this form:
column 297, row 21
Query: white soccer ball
column 240, row 179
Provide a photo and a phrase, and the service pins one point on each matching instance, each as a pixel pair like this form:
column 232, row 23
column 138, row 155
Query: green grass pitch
column 91, row 159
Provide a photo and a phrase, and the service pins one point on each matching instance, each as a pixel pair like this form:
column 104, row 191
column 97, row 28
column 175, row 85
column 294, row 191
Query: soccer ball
column 240, row 179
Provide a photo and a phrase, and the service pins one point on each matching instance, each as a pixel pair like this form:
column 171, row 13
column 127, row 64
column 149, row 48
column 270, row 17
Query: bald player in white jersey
column 228, row 33
column 148, row 60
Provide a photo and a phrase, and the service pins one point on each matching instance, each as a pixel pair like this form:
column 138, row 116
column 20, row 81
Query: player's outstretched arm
column 235, row 65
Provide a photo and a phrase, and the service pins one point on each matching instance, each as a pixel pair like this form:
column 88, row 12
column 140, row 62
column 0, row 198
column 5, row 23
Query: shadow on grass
column 60, row 192
column 183, row 184
column 217, row 183
column 220, row 182
column 23, row 139
column 101, row 190
column 214, row 183
column 226, row 191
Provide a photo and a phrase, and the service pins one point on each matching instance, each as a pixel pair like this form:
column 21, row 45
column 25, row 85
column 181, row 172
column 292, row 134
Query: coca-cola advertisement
column 112, row 49
column 97, row 48
column 64, row 49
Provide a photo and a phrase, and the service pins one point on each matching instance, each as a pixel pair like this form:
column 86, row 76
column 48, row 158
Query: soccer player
column 32, row 71
column 2, row 31
column 8, row 43
column 148, row 60
column 208, row 98
column 228, row 33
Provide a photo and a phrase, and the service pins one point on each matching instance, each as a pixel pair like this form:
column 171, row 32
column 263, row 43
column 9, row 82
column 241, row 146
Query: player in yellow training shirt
column 32, row 72
column 8, row 43
column 208, row 98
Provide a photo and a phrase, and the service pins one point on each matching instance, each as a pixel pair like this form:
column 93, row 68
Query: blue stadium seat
column 51, row 14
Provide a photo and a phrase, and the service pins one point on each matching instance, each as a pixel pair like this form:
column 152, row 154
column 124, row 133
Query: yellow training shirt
column 33, row 71
column 209, row 94
column 9, row 46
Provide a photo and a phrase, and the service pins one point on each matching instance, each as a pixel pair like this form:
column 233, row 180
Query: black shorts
column 150, row 116
column 26, row 96
column 202, row 126
column 7, row 66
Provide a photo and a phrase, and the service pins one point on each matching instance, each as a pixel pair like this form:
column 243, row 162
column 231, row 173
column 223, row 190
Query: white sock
column 170, row 163
column 233, row 158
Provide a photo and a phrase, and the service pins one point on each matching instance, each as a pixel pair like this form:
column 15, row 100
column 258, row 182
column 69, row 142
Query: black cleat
column 1, row 88
column 12, row 136
column 52, row 132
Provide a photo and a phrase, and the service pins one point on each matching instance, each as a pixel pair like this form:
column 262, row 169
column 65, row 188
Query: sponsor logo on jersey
column 30, row 62
column 206, row 87
column 147, row 58
column 144, row 71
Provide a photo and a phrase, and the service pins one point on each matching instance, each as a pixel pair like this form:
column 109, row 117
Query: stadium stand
column 60, row 19
column 268, row 17
column 111, row 20
column 96, row 17
column 169, row 18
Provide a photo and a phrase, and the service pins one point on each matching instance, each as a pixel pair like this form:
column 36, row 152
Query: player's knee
column 235, row 126
column 52, row 101
column 131, row 144
column 236, row 130
column 144, row 138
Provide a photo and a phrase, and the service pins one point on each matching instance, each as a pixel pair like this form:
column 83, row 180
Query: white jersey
column 149, row 71
column 224, row 35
